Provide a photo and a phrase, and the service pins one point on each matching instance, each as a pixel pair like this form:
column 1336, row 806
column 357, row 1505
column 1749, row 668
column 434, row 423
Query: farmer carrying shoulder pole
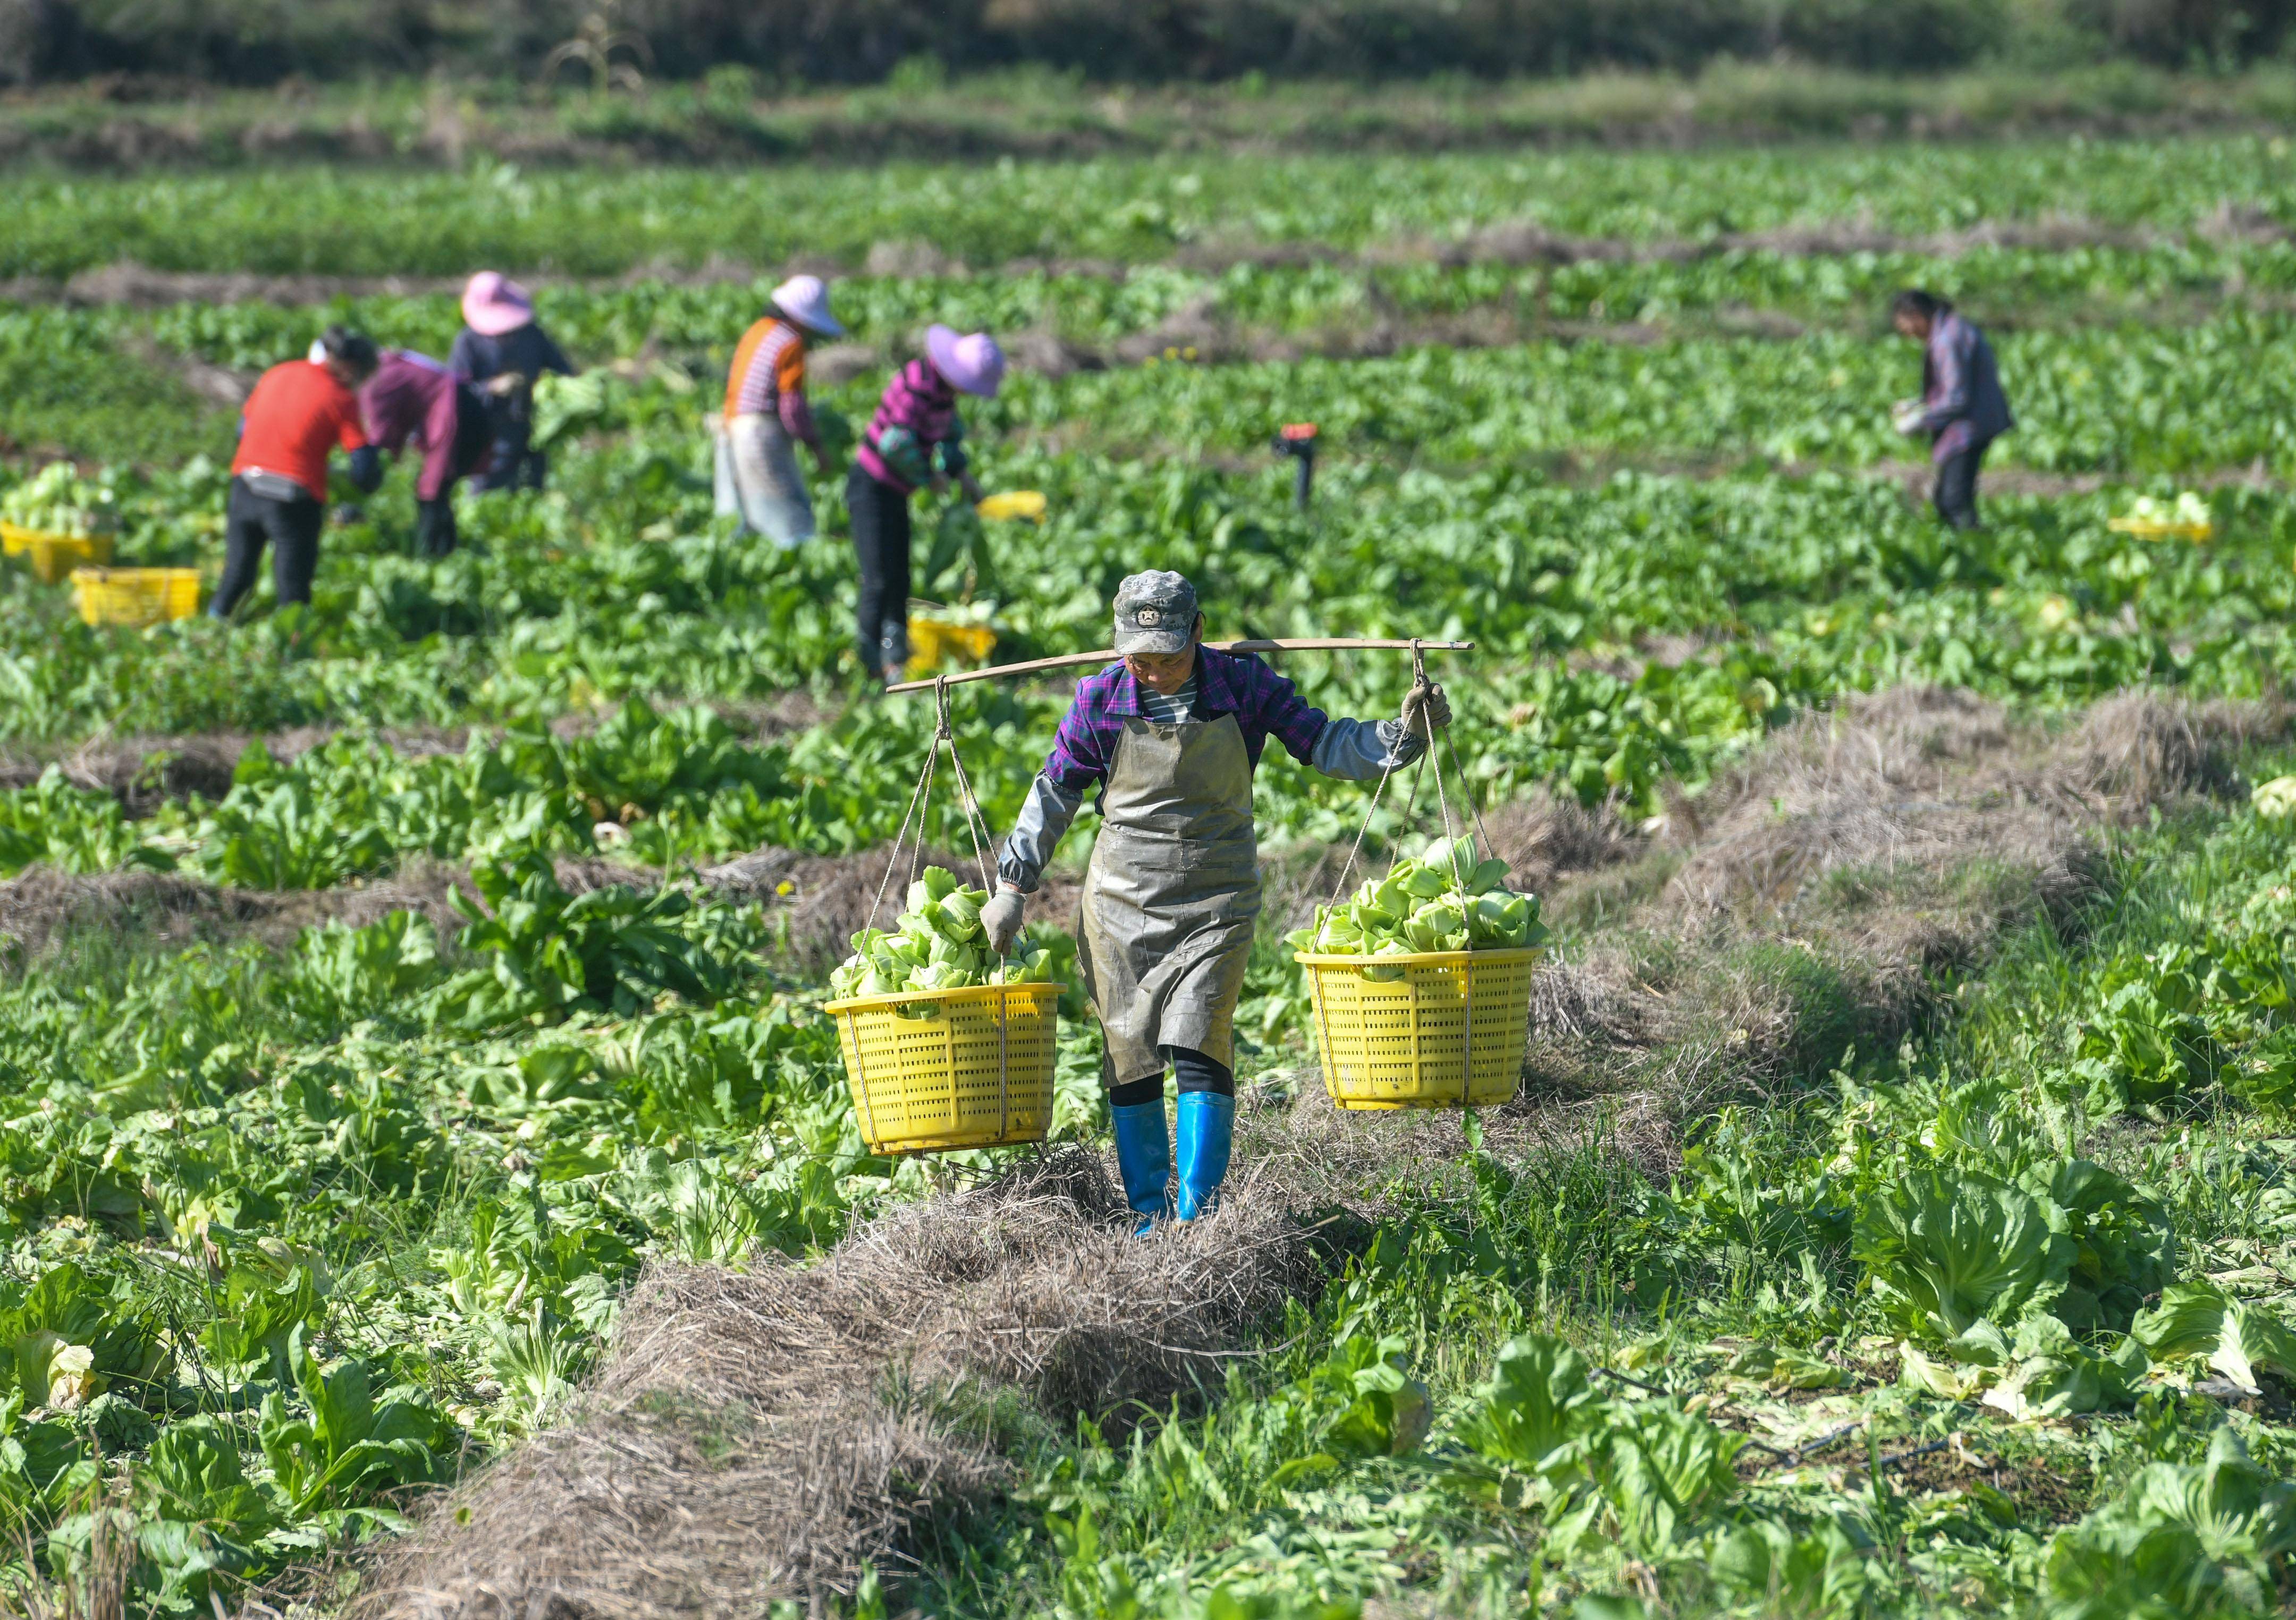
column 1962, row 406
column 1170, row 737
column 502, row 351
column 916, row 439
column 767, row 416
column 300, row 412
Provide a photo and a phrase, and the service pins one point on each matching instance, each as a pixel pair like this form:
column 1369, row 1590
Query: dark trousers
column 1194, row 1072
column 880, row 540
column 289, row 527
column 516, row 464
column 1956, row 494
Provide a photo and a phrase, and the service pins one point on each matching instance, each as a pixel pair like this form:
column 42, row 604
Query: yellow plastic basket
column 951, row 1068
column 1013, row 506
column 136, row 596
column 2197, row 533
column 1438, row 1029
column 934, row 641
column 52, row 557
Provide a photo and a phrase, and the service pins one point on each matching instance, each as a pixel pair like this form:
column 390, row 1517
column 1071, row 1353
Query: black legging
column 292, row 529
column 1194, row 1071
column 880, row 540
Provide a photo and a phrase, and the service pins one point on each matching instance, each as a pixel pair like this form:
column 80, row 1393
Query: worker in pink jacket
column 915, row 441
column 412, row 399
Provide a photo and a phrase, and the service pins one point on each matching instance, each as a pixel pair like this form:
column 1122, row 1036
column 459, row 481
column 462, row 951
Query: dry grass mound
column 1809, row 902
column 1931, row 778
column 758, row 1436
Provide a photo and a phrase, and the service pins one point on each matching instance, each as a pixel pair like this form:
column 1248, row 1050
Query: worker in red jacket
column 300, row 412
column 414, row 399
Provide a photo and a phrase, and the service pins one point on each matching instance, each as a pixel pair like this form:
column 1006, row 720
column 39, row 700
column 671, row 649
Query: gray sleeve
column 1359, row 750
column 1037, row 832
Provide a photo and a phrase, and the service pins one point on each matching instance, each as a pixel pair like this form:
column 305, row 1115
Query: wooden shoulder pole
column 1069, row 661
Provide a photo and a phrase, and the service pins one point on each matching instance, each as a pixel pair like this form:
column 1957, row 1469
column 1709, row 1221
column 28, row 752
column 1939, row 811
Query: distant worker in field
column 300, row 412
column 767, row 416
column 1962, row 406
column 411, row 400
column 502, row 351
column 1169, row 738
column 915, row 440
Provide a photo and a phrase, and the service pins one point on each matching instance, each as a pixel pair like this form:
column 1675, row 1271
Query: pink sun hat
column 972, row 363
column 493, row 304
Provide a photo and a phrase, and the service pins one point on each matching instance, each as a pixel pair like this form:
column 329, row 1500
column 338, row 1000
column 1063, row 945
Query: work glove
column 1425, row 711
column 434, row 526
column 1000, row 919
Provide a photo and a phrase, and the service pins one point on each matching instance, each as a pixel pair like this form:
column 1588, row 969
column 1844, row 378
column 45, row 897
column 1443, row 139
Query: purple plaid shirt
column 1962, row 404
column 1265, row 705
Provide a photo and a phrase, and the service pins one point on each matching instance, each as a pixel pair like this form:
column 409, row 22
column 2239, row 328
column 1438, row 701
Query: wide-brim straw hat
column 493, row 304
column 971, row 364
column 805, row 301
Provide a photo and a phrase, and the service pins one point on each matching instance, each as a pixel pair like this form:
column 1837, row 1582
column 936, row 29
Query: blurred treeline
column 256, row 42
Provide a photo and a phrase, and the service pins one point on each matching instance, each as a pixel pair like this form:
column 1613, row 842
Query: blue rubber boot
column 1143, row 1156
column 1207, row 1128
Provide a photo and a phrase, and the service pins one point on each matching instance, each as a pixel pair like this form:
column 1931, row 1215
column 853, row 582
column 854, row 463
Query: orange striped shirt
column 768, row 364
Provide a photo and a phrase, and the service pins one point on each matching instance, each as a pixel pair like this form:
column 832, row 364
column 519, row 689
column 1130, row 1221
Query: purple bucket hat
column 972, row 363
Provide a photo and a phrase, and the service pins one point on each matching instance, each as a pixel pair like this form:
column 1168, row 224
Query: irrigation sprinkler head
column 1297, row 439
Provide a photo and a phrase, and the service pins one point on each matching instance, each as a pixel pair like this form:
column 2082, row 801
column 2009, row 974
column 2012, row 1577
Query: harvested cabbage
column 2275, row 799
column 2187, row 510
column 935, row 943
column 57, row 501
column 1449, row 899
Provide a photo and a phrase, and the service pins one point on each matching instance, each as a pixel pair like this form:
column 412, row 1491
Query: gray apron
column 1172, row 894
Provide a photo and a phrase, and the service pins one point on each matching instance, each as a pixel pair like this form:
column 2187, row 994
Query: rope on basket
column 1410, row 800
column 976, row 826
column 1436, row 735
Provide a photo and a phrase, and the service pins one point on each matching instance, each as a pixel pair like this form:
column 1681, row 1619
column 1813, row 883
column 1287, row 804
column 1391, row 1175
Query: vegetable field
column 429, row 1183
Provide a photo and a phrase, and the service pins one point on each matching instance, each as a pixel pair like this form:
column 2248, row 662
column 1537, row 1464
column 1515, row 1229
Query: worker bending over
column 411, row 400
column 1170, row 737
column 915, row 441
column 301, row 411
column 1961, row 408
column 767, row 415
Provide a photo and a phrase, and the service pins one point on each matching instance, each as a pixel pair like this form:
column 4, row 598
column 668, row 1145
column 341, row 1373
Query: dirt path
column 1522, row 243
column 143, row 772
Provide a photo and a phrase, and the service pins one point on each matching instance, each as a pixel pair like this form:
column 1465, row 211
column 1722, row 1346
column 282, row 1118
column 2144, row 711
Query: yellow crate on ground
column 1438, row 1029
column 935, row 1069
column 54, row 557
column 935, row 641
column 2146, row 529
column 136, row 596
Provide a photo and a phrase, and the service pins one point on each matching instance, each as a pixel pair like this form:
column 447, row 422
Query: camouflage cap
column 1155, row 612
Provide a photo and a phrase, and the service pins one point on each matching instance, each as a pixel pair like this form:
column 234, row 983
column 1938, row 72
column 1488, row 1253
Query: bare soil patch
column 169, row 910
